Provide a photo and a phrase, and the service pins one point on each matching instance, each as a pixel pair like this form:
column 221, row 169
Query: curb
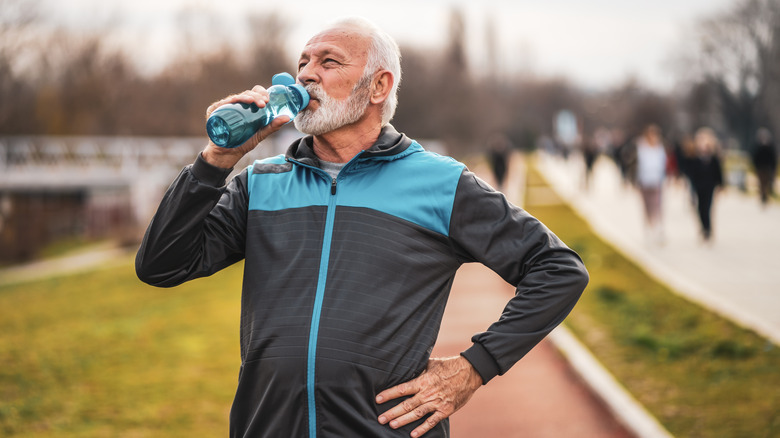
column 626, row 409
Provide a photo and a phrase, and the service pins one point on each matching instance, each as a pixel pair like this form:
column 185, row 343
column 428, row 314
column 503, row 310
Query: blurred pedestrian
column 650, row 176
column 625, row 156
column 706, row 176
column 765, row 164
column 498, row 155
column 686, row 152
column 590, row 152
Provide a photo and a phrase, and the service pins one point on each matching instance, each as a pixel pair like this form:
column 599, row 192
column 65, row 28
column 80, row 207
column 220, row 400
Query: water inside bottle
column 286, row 103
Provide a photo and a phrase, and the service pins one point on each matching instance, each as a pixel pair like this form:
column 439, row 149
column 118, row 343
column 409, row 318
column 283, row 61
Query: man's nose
column 307, row 75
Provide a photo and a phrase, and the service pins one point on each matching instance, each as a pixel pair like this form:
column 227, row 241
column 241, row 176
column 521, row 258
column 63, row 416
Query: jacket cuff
column 209, row 174
column 482, row 361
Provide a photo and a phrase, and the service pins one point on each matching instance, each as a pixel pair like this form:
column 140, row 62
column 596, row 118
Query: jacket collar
column 390, row 145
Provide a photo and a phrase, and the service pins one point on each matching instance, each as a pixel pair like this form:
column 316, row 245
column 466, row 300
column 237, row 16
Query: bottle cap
column 285, row 79
column 304, row 95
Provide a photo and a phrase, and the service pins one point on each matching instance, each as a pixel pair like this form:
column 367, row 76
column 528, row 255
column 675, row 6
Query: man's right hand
column 227, row 158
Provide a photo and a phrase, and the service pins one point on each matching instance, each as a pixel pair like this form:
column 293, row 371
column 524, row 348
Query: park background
column 90, row 91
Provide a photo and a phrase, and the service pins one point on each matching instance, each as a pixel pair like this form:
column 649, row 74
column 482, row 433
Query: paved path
column 737, row 275
column 94, row 257
column 540, row 397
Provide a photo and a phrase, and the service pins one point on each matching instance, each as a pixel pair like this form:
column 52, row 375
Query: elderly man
column 351, row 242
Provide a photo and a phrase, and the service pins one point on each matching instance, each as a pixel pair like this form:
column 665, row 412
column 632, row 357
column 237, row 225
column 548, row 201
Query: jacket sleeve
column 198, row 229
column 548, row 276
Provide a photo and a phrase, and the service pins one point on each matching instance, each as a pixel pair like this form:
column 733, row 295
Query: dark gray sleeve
column 548, row 276
column 198, row 229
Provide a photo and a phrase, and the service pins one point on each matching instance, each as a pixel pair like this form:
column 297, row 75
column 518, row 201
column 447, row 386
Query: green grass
column 699, row 374
column 101, row 354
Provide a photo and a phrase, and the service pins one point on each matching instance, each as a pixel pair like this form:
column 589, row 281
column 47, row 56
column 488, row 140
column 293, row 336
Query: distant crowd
column 650, row 159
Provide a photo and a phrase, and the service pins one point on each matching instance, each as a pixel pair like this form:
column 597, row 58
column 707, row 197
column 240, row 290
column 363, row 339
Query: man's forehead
column 343, row 40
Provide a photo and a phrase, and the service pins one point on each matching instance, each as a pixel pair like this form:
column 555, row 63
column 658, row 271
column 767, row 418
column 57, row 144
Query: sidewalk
column 736, row 276
column 94, row 257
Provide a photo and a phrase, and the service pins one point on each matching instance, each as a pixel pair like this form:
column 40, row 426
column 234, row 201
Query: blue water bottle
column 231, row 125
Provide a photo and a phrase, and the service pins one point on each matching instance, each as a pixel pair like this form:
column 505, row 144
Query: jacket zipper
column 319, row 297
column 317, row 311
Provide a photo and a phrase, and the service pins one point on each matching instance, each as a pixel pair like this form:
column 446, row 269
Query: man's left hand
column 443, row 388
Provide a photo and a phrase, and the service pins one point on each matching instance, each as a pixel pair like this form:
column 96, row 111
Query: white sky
column 594, row 43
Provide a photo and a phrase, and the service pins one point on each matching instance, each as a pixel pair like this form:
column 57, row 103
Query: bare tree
column 738, row 62
column 16, row 93
column 438, row 97
column 267, row 34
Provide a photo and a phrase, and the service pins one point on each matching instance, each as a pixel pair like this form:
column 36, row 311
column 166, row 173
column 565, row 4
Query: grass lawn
column 699, row 374
column 103, row 355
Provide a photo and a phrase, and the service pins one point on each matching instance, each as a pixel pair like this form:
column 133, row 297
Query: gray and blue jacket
column 346, row 279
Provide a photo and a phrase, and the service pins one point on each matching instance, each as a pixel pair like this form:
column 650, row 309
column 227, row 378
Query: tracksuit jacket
column 346, row 279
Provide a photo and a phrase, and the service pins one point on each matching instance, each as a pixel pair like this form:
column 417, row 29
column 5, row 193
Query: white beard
column 333, row 114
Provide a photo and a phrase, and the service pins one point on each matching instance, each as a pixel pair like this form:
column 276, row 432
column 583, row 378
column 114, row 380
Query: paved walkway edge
column 626, row 409
column 96, row 258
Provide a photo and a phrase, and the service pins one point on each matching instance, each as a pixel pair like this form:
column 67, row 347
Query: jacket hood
column 389, row 146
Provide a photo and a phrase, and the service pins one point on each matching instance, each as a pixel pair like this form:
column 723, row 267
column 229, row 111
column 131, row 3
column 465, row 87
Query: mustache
column 315, row 91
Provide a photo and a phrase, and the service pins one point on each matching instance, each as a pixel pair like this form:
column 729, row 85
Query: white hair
column 383, row 54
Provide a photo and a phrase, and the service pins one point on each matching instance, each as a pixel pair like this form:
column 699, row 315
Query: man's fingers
column 434, row 416
column 412, row 415
column 393, row 415
column 257, row 95
column 393, row 393
column 428, row 424
column 280, row 121
column 401, row 409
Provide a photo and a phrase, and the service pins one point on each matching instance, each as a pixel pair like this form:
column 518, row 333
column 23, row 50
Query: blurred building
column 91, row 188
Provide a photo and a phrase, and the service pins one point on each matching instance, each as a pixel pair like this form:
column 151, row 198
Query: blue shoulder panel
column 419, row 188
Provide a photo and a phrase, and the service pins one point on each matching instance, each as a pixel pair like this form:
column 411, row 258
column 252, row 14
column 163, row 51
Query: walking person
column 590, row 153
column 706, row 176
column 650, row 176
column 498, row 157
column 351, row 241
column 764, row 159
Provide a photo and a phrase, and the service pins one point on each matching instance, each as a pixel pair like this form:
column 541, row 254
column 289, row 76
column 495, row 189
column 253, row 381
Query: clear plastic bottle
column 231, row 125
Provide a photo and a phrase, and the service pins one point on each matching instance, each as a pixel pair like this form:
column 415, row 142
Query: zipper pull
column 333, row 187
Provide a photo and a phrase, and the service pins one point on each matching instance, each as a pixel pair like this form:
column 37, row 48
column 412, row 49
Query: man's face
column 331, row 68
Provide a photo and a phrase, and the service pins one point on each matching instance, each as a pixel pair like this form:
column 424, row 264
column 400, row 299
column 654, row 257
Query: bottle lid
column 304, row 94
column 287, row 80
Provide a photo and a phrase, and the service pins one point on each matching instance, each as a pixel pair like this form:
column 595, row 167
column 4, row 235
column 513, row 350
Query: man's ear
column 381, row 86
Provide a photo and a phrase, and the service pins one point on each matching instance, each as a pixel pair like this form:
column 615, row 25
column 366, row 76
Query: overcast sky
column 594, row 43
